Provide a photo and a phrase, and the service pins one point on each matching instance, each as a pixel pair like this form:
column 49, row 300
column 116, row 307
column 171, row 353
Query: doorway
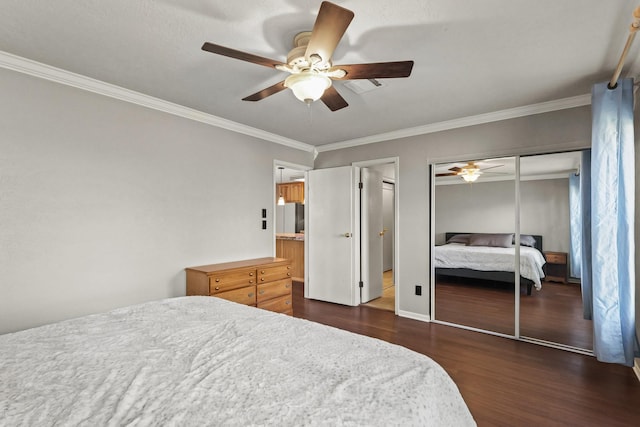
column 288, row 215
column 341, row 266
column 351, row 236
column 388, row 297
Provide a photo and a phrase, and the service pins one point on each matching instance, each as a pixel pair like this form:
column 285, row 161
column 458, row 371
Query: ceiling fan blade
column 491, row 167
column 455, row 169
column 237, row 54
column 379, row 70
column 333, row 99
column 330, row 25
column 446, row 174
column 278, row 87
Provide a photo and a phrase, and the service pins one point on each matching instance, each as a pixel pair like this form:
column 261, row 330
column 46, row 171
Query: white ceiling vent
column 364, row 85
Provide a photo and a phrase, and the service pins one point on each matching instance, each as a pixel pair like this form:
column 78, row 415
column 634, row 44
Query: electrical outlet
column 418, row 290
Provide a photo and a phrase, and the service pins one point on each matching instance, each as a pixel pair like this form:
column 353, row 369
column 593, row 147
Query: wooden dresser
column 262, row 282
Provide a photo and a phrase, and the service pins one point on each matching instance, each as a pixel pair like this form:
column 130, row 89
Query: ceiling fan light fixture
column 308, row 86
column 470, row 175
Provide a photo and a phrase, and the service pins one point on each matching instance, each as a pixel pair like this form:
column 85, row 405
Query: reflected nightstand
column 555, row 269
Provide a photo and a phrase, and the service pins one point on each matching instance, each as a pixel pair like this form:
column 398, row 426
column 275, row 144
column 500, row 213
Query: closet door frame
column 432, row 238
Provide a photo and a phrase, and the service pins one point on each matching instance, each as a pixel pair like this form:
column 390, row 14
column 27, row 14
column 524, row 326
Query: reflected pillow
column 459, row 238
column 525, row 240
column 491, row 240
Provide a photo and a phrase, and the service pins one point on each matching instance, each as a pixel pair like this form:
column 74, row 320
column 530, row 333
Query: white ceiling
column 471, row 57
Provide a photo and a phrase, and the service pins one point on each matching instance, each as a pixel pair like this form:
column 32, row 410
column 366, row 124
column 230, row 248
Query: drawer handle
column 217, row 280
column 288, row 302
column 261, row 292
column 250, row 281
column 217, row 288
column 287, row 286
column 288, row 274
column 288, row 267
column 262, row 272
column 262, row 279
column 250, row 294
column 251, row 274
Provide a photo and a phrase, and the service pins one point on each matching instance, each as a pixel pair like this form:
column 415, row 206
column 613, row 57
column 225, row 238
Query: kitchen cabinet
column 292, row 192
column 293, row 250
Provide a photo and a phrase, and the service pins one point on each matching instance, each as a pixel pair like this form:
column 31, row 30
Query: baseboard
column 414, row 316
column 636, row 368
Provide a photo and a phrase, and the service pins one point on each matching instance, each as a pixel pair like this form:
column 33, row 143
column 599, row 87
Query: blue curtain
column 575, row 226
column 612, row 263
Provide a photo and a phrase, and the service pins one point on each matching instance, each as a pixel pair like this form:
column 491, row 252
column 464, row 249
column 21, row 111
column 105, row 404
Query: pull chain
column 310, row 114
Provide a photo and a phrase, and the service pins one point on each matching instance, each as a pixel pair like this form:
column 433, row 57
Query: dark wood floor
column 504, row 382
column 552, row 314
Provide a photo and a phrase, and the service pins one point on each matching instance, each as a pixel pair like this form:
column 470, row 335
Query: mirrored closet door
column 474, row 223
column 535, row 294
column 550, row 207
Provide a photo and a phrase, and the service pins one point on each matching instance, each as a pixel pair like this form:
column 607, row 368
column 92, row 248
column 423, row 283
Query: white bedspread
column 483, row 258
column 196, row 361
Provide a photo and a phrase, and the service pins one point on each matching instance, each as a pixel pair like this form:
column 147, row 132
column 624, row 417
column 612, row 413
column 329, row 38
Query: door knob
column 347, row 234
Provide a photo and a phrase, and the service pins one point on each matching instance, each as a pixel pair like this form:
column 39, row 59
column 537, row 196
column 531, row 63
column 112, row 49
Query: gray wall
column 541, row 133
column 489, row 207
column 104, row 203
column 481, row 207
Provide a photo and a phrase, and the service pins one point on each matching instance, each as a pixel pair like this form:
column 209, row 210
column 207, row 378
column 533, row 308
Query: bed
column 494, row 261
column 206, row 361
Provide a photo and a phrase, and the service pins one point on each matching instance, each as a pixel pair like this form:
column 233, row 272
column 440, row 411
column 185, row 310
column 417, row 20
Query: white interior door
column 332, row 236
column 372, row 234
column 388, row 222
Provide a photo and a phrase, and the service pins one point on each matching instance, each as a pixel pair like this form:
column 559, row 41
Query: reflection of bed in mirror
column 485, row 259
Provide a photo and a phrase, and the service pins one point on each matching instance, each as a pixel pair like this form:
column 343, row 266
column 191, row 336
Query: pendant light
column 280, row 199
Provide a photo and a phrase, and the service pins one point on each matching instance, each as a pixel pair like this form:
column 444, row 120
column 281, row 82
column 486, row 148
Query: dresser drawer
column 245, row 295
column 280, row 305
column 270, row 274
column 271, row 290
column 556, row 258
column 232, row 279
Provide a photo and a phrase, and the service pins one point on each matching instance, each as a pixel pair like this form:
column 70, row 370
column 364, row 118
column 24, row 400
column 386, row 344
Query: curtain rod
column 633, row 29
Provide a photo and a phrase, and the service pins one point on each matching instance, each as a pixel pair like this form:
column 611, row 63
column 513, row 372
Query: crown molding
column 47, row 72
column 511, row 113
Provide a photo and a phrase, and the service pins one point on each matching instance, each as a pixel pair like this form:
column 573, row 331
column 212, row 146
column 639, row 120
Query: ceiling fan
column 469, row 172
column 309, row 62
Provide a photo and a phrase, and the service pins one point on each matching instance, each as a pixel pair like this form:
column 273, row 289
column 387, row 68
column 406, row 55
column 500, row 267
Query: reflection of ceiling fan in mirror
column 469, row 172
column 309, row 62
